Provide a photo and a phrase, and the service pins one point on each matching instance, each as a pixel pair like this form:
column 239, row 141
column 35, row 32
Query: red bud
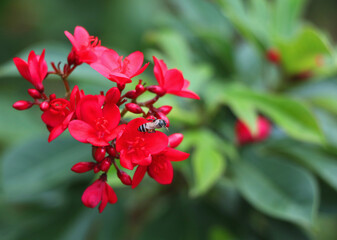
column 22, row 105
column 140, row 88
column 175, row 139
column 165, row 109
column 44, row 106
column 105, row 164
column 82, row 167
column 273, row 55
column 120, row 87
column 157, row 90
column 52, row 96
column 124, row 177
column 131, row 94
column 111, row 151
column 34, row 93
column 150, row 118
column 134, row 108
column 99, row 153
column 97, row 168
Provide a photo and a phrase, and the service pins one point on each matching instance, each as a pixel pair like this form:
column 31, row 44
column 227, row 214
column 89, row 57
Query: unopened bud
column 120, row 87
column 157, row 90
column 44, row 106
column 131, row 94
column 140, row 88
column 34, row 93
column 22, row 105
column 82, row 167
column 105, row 164
column 124, row 177
column 52, row 96
column 99, row 153
column 273, row 55
column 97, row 168
column 175, row 139
column 165, row 109
column 134, row 108
column 111, row 151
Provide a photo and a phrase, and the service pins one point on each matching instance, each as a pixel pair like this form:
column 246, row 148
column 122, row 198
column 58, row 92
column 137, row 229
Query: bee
column 151, row 126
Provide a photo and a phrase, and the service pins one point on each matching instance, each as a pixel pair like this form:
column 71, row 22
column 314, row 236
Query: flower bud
column 120, row 87
column 105, row 164
column 44, row 106
column 34, row 93
column 124, row 177
column 52, row 96
column 273, row 55
column 157, row 90
column 22, row 105
column 82, row 167
column 175, row 139
column 165, row 109
column 97, row 168
column 131, row 94
column 150, row 118
column 134, row 108
column 99, row 153
column 140, row 88
column 111, row 151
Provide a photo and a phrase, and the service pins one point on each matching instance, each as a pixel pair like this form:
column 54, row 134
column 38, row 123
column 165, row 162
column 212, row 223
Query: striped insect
column 151, row 126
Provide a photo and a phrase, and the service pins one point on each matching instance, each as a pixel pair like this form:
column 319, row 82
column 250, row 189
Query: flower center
column 101, row 125
column 136, row 144
column 60, row 106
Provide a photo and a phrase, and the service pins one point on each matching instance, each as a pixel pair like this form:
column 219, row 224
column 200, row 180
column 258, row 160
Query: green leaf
column 278, row 188
column 37, row 166
column 292, row 116
column 208, row 162
column 299, row 54
column 317, row 160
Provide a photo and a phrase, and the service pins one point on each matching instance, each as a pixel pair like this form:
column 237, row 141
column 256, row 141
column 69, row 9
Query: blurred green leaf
column 278, row 188
column 317, row 160
column 37, row 166
column 208, row 162
column 300, row 53
column 291, row 115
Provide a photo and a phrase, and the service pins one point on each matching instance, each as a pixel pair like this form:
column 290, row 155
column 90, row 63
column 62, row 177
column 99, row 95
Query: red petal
column 159, row 70
column 93, row 194
column 175, row 139
column 161, row 171
column 187, row 94
column 172, row 154
column 89, row 109
column 112, row 197
column 81, row 131
column 57, row 131
column 138, row 176
column 116, row 132
column 174, row 80
column 140, row 71
column 72, row 40
column 52, row 119
column 134, row 62
column 22, row 67
column 81, row 36
column 125, row 160
column 112, row 114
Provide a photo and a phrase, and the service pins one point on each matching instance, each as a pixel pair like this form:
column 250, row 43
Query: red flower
column 273, row 55
column 60, row 113
column 136, row 147
column 160, row 168
column 86, row 48
column 96, row 125
column 172, row 81
column 35, row 70
column 98, row 192
column 244, row 135
column 113, row 67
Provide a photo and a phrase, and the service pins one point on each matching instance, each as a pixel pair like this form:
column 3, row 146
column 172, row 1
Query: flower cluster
column 98, row 119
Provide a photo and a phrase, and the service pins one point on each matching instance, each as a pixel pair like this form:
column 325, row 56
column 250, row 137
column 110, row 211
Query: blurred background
column 281, row 188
